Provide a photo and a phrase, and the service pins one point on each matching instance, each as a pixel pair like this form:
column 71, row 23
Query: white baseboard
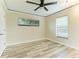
column 25, row 42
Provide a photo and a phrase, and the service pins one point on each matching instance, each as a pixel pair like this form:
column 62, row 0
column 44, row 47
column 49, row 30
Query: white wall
column 73, row 14
column 23, row 34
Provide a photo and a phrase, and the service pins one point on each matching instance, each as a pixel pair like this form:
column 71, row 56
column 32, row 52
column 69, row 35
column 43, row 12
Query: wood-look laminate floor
column 31, row 50
column 39, row 49
column 67, row 53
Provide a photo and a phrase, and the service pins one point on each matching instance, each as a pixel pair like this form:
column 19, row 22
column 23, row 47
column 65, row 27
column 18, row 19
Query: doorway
column 2, row 30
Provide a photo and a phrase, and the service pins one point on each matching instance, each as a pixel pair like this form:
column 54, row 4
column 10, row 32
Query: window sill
column 62, row 37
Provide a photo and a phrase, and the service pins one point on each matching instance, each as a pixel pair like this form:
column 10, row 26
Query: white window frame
column 61, row 34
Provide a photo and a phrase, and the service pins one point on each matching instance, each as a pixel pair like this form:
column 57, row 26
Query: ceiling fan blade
column 45, row 8
column 37, row 8
column 50, row 3
column 32, row 2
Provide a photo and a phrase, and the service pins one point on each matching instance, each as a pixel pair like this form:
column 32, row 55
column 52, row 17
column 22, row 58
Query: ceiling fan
column 42, row 4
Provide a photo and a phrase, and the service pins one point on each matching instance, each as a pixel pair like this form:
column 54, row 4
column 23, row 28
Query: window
column 62, row 27
column 28, row 22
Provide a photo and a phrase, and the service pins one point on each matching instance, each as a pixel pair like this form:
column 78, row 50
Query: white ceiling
column 22, row 6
